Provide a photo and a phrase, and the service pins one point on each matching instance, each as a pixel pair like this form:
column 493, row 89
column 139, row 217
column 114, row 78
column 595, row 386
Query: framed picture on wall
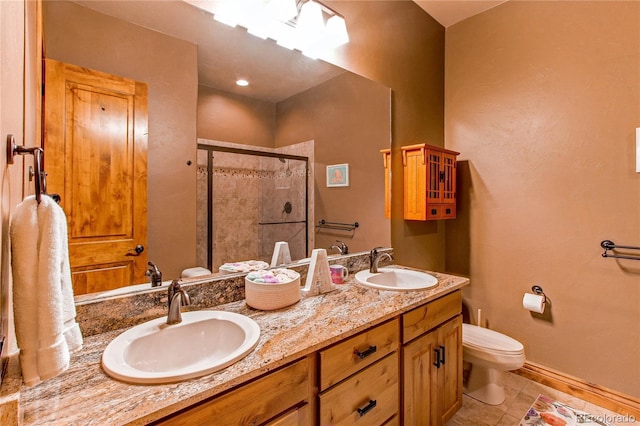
column 338, row 175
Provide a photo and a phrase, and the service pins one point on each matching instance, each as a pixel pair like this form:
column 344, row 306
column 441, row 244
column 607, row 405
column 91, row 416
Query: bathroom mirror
column 81, row 32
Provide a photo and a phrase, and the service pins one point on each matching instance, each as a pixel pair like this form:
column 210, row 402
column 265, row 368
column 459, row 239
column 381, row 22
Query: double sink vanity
column 361, row 354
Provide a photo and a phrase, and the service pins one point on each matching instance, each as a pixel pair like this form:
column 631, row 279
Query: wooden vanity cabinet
column 432, row 361
column 279, row 398
column 405, row 371
column 359, row 380
column 429, row 182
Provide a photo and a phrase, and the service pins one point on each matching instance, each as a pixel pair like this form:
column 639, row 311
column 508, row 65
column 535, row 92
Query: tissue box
column 278, row 288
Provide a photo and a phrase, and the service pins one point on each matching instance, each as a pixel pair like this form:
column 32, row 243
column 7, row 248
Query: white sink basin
column 204, row 342
column 396, row 279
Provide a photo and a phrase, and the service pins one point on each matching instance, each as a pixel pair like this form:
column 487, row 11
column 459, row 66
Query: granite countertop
column 85, row 395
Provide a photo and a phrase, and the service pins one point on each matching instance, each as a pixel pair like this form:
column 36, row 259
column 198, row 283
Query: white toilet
column 490, row 353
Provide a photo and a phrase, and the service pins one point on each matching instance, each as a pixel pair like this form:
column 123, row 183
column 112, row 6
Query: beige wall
column 348, row 118
column 83, row 37
column 397, row 44
column 542, row 101
column 224, row 116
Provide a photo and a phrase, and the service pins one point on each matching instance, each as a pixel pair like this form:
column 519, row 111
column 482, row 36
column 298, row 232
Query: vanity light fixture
column 242, row 82
column 305, row 25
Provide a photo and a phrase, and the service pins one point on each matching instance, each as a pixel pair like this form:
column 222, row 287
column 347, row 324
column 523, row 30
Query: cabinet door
column 415, row 182
column 433, row 375
column 386, row 158
column 420, row 380
column 448, row 178
column 435, row 178
column 450, row 373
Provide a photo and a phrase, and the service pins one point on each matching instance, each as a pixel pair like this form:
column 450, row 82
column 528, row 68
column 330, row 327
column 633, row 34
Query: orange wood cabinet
column 429, row 182
column 432, row 362
column 384, row 375
column 386, row 161
column 359, row 380
column 279, row 398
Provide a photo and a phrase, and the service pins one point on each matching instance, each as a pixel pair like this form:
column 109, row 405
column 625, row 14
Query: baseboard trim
column 596, row 394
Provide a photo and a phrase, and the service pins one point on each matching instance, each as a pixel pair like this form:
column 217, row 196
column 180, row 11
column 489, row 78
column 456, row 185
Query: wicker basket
column 270, row 296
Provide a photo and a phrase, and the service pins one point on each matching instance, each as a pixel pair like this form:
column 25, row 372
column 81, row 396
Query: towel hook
column 13, row 149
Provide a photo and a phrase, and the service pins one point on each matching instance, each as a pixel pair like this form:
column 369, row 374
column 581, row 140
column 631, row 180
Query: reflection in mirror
column 190, row 70
column 247, row 201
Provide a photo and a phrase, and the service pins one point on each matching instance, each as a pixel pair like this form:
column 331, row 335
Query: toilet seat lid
column 486, row 339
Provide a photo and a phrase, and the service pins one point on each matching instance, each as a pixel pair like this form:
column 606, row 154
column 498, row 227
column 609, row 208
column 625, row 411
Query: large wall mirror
column 190, row 63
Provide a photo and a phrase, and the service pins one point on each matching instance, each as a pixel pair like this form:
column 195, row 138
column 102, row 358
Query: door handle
column 438, row 357
column 137, row 250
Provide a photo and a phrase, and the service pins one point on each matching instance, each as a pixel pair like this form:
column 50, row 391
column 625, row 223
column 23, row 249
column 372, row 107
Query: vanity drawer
column 426, row 317
column 371, row 397
column 353, row 354
column 253, row 403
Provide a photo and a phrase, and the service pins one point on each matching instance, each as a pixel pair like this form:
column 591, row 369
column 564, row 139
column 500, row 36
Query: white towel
column 44, row 310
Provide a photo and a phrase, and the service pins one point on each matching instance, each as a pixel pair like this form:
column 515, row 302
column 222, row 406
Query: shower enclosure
column 247, row 201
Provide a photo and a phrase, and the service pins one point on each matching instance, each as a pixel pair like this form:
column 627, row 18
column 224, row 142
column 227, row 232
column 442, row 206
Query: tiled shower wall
column 250, row 193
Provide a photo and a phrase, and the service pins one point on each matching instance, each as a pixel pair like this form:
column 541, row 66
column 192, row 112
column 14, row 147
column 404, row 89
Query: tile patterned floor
column 520, row 394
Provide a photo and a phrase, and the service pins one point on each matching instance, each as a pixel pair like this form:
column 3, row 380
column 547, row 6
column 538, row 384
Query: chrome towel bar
column 610, row 245
column 337, row 225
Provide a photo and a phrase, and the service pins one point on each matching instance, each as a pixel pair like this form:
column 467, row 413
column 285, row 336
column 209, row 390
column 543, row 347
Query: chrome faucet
column 155, row 274
column 341, row 247
column 177, row 298
column 374, row 259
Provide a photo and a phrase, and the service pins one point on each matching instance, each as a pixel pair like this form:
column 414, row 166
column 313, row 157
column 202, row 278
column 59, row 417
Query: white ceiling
column 449, row 12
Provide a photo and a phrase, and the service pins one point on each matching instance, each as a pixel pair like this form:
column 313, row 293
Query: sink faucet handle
column 155, row 274
column 344, row 248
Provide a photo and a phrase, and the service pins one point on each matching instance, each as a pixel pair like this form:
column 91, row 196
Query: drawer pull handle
column 438, row 358
column 364, row 354
column 370, row 406
column 442, row 353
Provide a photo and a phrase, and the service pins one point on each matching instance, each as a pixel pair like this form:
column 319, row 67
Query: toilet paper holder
column 538, row 290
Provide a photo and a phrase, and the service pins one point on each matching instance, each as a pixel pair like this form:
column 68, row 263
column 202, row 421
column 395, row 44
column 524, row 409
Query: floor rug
column 546, row 411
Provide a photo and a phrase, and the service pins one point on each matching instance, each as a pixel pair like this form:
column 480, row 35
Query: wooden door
column 95, row 140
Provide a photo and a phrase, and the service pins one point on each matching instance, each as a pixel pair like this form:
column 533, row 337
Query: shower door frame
column 241, row 151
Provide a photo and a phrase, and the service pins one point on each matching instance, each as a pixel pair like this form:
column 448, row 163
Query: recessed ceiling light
column 242, row 82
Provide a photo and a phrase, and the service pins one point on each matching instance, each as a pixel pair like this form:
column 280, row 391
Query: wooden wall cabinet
column 432, row 361
column 386, row 161
column 429, row 182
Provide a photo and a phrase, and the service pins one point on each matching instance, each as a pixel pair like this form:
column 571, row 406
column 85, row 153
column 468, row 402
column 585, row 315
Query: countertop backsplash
column 98, row 315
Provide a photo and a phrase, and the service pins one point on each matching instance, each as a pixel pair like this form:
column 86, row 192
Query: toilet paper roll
column 534, row 302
